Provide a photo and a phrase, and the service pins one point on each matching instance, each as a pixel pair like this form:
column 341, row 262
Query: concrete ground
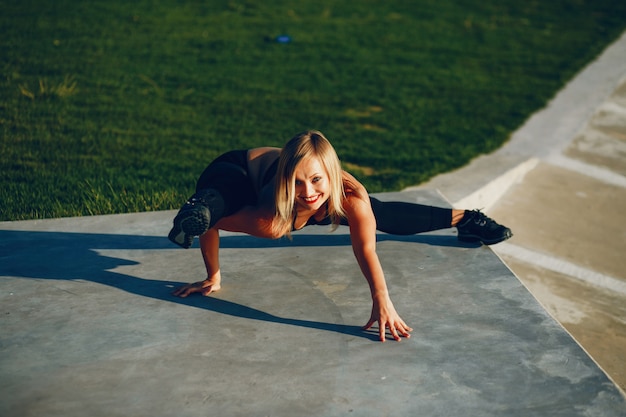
column 88, row 325
column 560, row 184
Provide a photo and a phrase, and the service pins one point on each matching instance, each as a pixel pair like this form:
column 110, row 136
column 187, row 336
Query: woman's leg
column 400, row 218
column 222, row 189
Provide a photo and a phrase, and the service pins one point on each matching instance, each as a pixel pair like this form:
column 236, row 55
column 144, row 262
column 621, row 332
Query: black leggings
column 229, row 177
column 400, row 218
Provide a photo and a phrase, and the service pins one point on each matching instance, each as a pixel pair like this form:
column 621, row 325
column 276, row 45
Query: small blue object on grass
column 283, row 39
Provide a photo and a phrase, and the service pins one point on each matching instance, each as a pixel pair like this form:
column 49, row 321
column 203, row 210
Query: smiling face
column 308, row 177
column 312, row 184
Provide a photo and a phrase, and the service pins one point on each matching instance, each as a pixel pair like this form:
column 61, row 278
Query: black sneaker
column 193, row 219
column 475, row 226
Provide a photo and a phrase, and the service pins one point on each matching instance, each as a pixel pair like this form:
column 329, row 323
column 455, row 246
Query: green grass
column 116, row 106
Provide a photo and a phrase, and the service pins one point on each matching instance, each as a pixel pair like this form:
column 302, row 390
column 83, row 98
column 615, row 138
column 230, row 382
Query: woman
column 268, row 192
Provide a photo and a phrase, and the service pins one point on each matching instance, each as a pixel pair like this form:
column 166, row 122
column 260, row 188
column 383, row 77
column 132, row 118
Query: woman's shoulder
column 352, row 187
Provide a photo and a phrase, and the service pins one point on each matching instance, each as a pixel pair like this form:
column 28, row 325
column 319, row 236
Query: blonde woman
column 269, row 192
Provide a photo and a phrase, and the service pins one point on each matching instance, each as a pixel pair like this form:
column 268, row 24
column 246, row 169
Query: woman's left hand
column 385, row 314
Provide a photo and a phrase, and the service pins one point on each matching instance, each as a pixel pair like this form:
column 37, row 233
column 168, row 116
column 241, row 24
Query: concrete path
column 88, row 328
column 560, row 184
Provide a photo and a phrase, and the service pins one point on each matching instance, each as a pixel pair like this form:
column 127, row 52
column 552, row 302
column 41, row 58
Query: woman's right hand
column 205, row 288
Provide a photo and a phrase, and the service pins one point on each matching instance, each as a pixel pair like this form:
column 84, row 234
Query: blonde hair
column 299, row 148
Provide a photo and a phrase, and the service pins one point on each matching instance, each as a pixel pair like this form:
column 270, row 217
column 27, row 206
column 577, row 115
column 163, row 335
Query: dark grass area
column 111, row 106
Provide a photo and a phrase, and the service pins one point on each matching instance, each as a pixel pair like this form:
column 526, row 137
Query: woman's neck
column 302, row 215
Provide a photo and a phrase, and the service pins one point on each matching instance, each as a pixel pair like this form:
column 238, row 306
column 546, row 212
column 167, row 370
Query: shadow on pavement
column 74, row 256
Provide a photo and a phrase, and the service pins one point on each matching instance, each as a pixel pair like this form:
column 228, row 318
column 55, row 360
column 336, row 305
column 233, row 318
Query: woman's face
column 312, row 184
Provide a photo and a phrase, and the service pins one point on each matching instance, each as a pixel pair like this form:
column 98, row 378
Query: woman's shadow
column 74, row 256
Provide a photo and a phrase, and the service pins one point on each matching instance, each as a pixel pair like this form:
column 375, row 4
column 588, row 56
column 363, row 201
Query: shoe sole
column 476, row 238
column 188, row 224
column 177, row 236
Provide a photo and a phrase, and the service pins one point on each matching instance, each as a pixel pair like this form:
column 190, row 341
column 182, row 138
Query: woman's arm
column 253, row 220
column 209, row 246
column 363, row 236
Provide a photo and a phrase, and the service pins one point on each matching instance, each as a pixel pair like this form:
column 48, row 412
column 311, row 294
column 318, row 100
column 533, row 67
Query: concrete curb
column 489, row 194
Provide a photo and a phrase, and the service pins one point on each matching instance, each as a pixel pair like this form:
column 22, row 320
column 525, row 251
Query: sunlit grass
column 67, row 87
column 109, row 107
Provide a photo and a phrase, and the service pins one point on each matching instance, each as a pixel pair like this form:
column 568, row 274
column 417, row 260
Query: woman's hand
column 385, row 314
column 205, row 288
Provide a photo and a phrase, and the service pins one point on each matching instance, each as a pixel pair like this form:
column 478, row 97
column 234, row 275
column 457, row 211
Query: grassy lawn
column 116, row 106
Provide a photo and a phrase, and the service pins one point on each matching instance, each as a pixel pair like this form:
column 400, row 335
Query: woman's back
column 262, row 164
